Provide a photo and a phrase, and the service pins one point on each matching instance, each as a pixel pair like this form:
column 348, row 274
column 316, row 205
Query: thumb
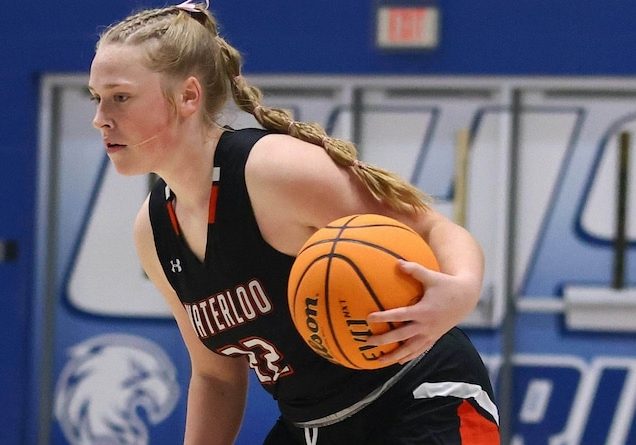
column 417, row 271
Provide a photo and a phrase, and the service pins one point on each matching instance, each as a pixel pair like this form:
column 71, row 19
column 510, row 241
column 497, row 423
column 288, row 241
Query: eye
column 120, row 98
column 95, row 98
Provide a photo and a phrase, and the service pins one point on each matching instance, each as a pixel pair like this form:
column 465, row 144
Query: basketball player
column 219, row 231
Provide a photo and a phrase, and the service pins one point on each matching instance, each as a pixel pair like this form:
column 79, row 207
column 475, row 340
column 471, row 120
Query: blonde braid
column 126, row 29
column 185, row 47
column 382, row 184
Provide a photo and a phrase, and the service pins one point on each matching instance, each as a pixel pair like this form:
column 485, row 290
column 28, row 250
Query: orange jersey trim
column 475, row 429
column 214, row 196
column 173, row 218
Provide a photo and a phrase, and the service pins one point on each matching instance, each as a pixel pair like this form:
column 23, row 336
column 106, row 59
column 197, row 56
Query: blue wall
column 540, row 37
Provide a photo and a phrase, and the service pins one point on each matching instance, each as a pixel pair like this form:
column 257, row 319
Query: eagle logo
column 105, row 385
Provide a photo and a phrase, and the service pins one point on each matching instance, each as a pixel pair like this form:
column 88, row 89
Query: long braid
column 382, row 184
column 188, row 48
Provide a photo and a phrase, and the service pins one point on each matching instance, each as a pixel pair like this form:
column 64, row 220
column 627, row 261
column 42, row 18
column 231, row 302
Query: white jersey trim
column 460, row 390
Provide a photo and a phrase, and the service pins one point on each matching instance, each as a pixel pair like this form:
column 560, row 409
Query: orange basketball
column 347, row 270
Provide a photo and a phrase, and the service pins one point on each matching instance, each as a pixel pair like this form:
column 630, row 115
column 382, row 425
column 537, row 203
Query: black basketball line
column 345, row 226
column 334, row 241
column 302, row 275
column 357, row 241
column 364, row 280
column 338, row 238
column 326, row 287
column 369, row 289
column 358, row 272
column 329, row 257
column 333, row 254
column 366, row 226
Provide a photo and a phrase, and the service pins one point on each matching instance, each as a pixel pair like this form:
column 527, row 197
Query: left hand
column 446, row 301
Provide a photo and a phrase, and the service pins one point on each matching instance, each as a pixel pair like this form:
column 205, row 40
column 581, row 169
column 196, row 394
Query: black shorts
column 445, row 399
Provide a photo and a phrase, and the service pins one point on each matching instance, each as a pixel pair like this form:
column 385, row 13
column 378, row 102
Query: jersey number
column 263, row 358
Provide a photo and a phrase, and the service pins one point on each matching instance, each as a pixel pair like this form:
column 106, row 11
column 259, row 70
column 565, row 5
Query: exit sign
column 407, row 27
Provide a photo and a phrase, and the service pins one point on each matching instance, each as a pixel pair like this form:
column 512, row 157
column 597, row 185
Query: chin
column 127, row 169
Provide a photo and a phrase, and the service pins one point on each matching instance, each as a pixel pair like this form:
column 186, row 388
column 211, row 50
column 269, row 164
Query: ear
column 190, row 98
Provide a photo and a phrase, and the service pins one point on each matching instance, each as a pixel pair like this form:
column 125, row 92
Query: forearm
column 461, row 256
column 457, row 251
column 449, row 295
column 215, row 410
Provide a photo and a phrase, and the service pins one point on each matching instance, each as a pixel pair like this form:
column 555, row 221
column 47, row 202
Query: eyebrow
column 109, row 86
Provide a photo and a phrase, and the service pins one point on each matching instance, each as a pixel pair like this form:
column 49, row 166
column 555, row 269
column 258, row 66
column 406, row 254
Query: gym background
column 544, row 92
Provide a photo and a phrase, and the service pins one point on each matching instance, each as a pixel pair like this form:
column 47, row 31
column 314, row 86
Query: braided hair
column 180, row 42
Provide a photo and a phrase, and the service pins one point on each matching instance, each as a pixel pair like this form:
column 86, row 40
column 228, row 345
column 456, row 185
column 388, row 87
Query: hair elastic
column 191, row 6
column 290, row 126
column 258, row 112
column 238, row 80
column 358, row 164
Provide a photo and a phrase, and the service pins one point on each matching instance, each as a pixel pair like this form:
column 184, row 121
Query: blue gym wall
column 502, row 37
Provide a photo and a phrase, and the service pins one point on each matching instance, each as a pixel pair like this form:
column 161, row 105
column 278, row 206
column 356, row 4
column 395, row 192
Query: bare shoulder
column 142, row 233
column 147, row 253
column 142, row 220
column 295, row 187
column 273, row 171
column 278, row 157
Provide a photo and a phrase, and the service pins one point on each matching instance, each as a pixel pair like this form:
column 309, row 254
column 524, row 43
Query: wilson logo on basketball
column 315, row 340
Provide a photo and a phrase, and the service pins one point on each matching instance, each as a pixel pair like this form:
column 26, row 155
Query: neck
column 189, row 175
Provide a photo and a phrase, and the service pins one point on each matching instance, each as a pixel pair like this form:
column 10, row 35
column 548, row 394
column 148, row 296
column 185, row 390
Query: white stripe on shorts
column 460, row 390
column 351, row 410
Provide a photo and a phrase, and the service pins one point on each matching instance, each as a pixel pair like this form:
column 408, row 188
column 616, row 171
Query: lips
column 112, row 148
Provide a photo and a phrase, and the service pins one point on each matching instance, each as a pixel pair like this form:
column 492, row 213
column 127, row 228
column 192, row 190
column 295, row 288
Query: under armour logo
column 176, row 265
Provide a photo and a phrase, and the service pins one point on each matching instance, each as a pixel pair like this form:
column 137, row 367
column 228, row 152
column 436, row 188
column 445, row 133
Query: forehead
column 116, row 64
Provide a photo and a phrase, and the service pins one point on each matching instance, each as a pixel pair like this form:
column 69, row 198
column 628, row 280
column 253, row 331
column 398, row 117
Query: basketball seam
column 300, row 280
column 331, row 256
column 343, row 227
column 369, row 289
column 326, row 287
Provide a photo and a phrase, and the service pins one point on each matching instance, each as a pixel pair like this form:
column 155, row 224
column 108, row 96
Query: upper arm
column 204, row 361
column 296, row 188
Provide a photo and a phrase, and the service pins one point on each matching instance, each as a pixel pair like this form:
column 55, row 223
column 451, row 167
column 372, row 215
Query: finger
column 406, row 352
column 394, row 356
column 418, row 271
column 396, row 335
column 411, row 356
column 401, row 355
column 391, row 315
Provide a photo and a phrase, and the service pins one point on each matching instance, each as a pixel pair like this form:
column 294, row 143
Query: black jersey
column 237, row 297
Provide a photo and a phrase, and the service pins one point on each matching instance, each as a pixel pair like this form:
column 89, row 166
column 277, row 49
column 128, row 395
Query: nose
column 101, row 120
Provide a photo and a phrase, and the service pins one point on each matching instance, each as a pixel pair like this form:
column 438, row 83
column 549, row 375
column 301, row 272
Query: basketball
column 347, row 270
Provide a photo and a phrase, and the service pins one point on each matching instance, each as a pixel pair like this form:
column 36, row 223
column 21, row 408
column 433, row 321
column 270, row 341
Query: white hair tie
column 191, row 6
